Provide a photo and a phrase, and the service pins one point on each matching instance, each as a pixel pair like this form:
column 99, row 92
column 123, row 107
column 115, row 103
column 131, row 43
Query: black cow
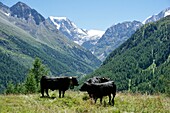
column 60, row 83
column 96, row 79
column 98, row 90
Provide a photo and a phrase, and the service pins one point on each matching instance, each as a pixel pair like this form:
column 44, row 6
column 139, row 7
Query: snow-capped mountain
column 101, row 43
column 114, row 37
column 119, row 33
column 78, row 35
column 158, row 16
column 30, row 34
column 92, row 38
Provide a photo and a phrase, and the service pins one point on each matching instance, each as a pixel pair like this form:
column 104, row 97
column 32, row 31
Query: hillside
column 124, row 103
column 114, row 37
column 142, row 62
column 22, row 40
column 117, row 34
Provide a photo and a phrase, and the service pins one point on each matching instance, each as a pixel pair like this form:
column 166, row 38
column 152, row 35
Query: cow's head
column 73, row 82
column 85, row 86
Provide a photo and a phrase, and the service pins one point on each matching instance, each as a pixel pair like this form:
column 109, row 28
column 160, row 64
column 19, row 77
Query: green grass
column 74, row 103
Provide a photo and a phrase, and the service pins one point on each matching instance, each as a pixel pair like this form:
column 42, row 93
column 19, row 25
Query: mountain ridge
column 22, row 40
column 78, row 35
column 100, row 47
column 141, row 64
column 21, row 10
column 103, row 48
column 158, row 16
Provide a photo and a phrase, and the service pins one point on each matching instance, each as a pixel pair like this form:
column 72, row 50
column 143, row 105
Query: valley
column 132, row 53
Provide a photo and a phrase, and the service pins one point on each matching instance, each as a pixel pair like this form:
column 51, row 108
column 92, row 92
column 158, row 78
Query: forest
column 142, row 63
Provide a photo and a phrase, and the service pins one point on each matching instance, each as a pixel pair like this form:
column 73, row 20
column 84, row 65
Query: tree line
column 142, row 63
column 31, row 83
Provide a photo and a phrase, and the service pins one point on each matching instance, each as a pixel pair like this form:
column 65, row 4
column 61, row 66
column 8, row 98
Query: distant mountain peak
column 60, row 21
column 21, row 10
column 21, row 4
column 158, row 16
column 167, row 12
column 114, row 37
column 58, row 18
column 70, row 30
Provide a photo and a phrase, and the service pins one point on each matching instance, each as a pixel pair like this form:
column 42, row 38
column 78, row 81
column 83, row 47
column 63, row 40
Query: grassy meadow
column 78, row 102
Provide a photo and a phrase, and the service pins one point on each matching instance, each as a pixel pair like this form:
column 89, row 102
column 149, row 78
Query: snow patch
column 81, row 31
column 74, row 33
column 167, row 13
column 59, row 18
column 144, row 22
column 53, row 20
column 95, row 32
column 7, row 14
column 101, row 57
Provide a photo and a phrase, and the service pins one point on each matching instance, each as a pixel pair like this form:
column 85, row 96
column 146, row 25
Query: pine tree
column 38, row 70
column 30, row 83
column 33, row 79
column 10, row 88
column 20, row 88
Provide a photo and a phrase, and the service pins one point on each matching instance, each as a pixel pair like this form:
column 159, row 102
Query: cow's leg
column 101, row 100
column 90, row 95
column 95, row 99
column 63, row 93
column 46, row 90
column 109, row 99
column 59, row 93
column 113, row 102
column 113, row 99
column 42, row 92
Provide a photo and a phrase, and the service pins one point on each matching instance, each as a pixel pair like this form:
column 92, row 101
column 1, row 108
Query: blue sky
column 96, row 14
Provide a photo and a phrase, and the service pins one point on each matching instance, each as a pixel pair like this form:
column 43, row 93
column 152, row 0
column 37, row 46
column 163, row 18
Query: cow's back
column 104, row 89
column 54, row 83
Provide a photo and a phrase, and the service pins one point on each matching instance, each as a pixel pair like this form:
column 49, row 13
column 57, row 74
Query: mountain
column 158, row 16
column 22, row 39
column 21, row 10
column 142, row 63
column 119, row 33
column 114, row 37
column 92, row 38
column 70, row 30
column 100, row 43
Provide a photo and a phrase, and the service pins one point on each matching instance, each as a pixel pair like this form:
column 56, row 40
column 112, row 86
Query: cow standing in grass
column 57, row 83
column 96, row 79
column 99, row 90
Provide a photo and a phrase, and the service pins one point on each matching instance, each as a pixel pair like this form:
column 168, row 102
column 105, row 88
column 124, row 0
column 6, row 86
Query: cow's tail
column 113, row 93
column 114, row 89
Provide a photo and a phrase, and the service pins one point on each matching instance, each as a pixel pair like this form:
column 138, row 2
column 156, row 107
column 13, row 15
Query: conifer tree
column 38, row 70
column 10, row 88
column 34, row 76
column 30, row 84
